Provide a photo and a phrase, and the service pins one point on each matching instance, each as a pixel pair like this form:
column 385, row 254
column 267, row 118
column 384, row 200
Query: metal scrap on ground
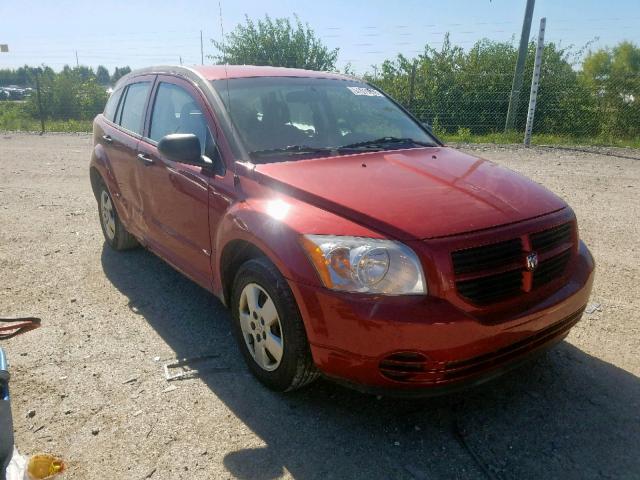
column 191, row 367
column 594, row 307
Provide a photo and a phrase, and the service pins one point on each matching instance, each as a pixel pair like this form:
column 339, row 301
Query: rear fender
column 100, row 166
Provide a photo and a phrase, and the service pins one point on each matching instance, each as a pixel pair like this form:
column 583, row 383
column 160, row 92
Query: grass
column 465, row 136
column 13, row 117
column 31, row 125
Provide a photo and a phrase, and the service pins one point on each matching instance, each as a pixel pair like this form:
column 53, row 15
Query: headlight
column 367, row 265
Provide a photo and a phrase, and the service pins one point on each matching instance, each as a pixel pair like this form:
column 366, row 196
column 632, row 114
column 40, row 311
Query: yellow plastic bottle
column 44, row 466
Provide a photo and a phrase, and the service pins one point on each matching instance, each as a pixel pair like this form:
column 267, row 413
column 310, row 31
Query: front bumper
column 425, row 344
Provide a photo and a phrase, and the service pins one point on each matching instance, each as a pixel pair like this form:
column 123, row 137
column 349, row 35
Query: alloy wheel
column 261, row 328
column 108, row 215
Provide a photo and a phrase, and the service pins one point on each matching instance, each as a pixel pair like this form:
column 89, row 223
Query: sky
column 140, row 33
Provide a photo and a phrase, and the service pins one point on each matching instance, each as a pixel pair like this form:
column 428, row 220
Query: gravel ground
column 93, row 372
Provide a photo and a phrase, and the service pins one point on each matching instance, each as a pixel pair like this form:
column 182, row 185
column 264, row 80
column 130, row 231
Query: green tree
column 613, row 77
column 69, row 94
column 276, row 42
column 19, row 76
column 118, row 73
column 469, row 89
column 102, row 75
column 85, row 72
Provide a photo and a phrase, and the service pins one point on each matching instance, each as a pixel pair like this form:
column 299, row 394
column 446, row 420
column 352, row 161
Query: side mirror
column 183, row 148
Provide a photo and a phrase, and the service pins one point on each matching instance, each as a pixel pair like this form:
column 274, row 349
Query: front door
column 175, row 195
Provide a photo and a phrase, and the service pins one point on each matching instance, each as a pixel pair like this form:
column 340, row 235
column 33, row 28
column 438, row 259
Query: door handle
column 107, row 138
column 145, row 159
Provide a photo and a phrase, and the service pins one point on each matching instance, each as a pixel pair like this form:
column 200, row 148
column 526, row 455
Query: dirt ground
column 93, row 373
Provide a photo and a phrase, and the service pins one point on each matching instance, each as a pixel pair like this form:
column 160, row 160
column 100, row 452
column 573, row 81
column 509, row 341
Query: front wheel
column 269, row 329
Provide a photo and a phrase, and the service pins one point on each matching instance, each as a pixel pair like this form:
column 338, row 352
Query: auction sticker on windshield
column 368, row 92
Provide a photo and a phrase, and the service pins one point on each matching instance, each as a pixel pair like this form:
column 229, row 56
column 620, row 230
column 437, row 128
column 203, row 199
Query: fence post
column 37, row 74
column 535, row 82
column 412, row 84
column 518, row 75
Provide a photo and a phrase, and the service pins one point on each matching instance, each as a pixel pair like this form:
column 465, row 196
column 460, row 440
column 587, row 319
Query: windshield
column 288, row 117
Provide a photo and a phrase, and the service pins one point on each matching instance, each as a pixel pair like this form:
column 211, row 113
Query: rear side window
column 112, row 104
column 132, row 110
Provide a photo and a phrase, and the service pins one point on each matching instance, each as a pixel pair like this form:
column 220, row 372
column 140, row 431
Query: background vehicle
column 344, row 237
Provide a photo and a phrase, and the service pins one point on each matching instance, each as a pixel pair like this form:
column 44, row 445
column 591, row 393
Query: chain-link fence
column 604, row 113
column 465, row 97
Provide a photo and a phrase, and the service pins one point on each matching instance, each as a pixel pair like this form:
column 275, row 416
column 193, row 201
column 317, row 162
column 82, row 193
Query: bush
column 67, row 95
column 464, row 93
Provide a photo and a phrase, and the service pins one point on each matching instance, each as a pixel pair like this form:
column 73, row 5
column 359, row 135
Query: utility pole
column 77, row 63
column 180, row 59
column 201, row 50
column 519, row 72
column 535, row 82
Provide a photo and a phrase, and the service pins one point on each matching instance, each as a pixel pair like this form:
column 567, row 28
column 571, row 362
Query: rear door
column 174, row 195
column 120, row 139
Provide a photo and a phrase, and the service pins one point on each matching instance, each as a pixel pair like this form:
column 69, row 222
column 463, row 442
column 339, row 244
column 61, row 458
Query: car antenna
column 236, row 179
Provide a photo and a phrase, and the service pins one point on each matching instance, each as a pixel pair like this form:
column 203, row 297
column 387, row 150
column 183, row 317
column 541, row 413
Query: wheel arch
column 234, row 254
column 96, row 178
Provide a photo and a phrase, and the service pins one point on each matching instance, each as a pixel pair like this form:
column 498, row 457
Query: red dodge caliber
column 346, row 239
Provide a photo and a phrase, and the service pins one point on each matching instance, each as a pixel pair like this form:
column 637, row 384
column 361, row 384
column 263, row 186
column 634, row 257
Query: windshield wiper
column 377, row 144
column 291, row 149
column 382, row 142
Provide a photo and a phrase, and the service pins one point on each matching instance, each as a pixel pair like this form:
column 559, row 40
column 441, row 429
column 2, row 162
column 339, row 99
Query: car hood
column 414, row 193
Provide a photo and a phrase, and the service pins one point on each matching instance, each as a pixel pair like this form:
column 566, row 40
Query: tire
column 294, row 368
column 116, row 236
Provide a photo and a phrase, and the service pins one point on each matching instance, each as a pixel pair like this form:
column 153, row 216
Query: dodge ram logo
column 532, row 261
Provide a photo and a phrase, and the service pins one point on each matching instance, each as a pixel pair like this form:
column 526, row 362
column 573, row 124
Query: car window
column 176, row 111
column 112, row 105
column 133, row 107
column 118, row 115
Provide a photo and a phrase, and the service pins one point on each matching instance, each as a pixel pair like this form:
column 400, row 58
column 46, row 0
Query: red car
column 346, row 239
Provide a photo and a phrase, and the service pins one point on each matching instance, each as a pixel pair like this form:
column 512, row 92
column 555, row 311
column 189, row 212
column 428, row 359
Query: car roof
column 217, row 72
column 220, row 72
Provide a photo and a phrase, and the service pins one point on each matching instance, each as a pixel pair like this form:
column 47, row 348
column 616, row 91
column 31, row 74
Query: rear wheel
column 269, row 329
column 115, row 234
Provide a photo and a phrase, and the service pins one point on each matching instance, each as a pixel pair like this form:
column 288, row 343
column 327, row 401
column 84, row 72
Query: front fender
column 274, row 224
column 256, row 223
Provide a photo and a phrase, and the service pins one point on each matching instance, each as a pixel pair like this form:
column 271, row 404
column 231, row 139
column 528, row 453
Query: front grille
column 551, row 238
column 492, row 288
column 495, row 272
column 487, row 256
column 550, row 269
